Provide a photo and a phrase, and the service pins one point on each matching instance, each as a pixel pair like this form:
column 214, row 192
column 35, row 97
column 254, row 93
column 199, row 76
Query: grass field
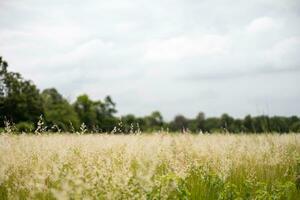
column 150, row 166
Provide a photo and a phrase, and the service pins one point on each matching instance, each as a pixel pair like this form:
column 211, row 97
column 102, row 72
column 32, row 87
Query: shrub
column 26, row 127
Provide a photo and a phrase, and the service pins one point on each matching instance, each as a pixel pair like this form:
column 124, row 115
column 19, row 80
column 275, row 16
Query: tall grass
column 155, row 166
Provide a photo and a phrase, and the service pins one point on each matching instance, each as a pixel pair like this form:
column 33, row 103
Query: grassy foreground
column 157, row 166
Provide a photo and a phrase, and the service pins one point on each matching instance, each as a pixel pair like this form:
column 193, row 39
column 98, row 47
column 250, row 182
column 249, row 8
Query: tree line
column 28, row 109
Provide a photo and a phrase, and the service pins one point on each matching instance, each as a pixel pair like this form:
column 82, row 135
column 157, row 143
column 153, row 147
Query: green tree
column 58, row 111
column 227, row 122
column 20, row 99
column 295, row 127
column 180, row 123
column 97, row 115
column 261, row 124
column 129, row 123
column 248, row 124
column 279, row 124
column 85, row 108
column 213, row 124
column 105, row 114
column 154, row 121
column 200, row 121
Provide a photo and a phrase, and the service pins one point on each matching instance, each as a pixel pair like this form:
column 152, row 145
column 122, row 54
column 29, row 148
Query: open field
column 156, row 166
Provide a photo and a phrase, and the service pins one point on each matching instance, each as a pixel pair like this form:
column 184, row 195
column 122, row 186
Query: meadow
column 150, row 166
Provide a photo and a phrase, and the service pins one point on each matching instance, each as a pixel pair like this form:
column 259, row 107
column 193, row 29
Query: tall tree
column 85, row 109
column 58, row 111
column 20, row 99
column 105, row 114
column 180, row 123
column 248, row 124
column 200, row 121
column 154, row 121
column 227, row 122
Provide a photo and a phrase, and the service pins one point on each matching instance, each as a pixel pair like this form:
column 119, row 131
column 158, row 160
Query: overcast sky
column 176, row 56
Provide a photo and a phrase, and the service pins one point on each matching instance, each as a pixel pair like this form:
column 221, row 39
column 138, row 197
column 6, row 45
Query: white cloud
column 284, row 54
column 84, row 53
column 261, row 24
column 177, row 48
column 137, row 51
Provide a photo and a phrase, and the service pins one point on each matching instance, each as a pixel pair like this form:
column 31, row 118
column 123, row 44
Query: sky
column 176, row 56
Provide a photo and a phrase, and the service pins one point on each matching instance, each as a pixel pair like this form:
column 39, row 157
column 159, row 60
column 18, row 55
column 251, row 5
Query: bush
column 295, row 127
column 26, row 127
